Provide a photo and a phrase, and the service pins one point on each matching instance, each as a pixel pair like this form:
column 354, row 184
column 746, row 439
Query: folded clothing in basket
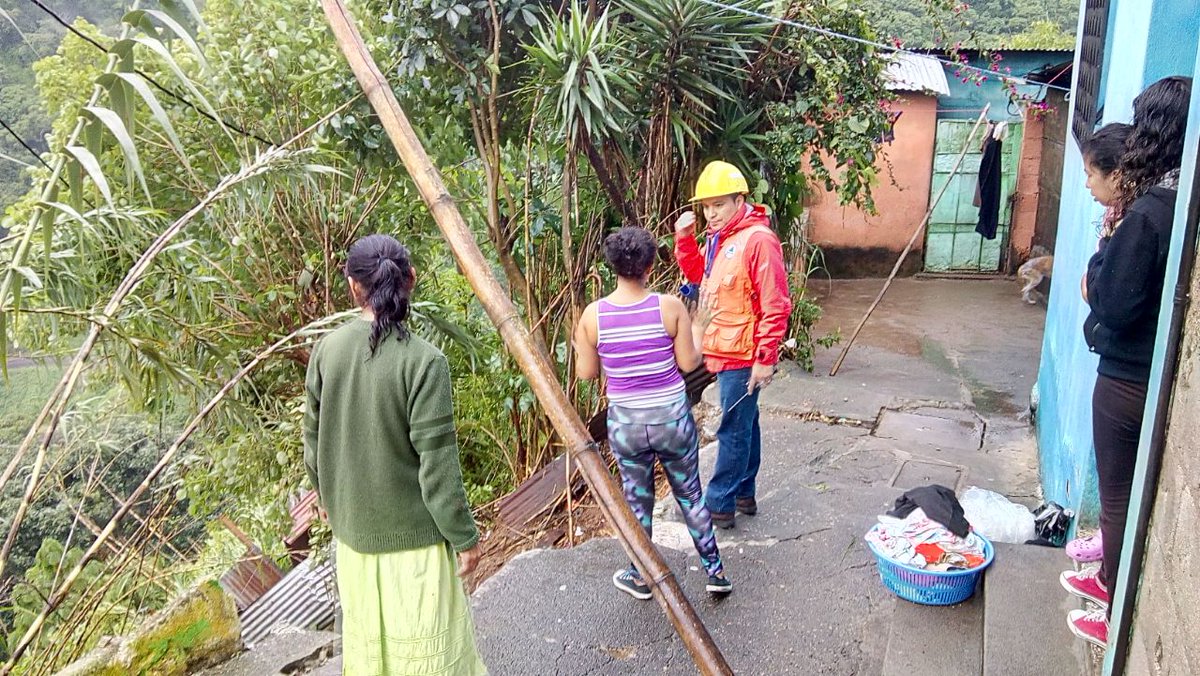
column 921, row 542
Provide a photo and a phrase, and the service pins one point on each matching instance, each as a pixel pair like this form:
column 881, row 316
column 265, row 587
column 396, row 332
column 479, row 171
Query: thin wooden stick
column 541, row 376
column 911, row 240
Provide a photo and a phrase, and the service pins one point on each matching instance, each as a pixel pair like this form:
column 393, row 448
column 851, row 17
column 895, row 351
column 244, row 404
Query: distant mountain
column 1025, row 24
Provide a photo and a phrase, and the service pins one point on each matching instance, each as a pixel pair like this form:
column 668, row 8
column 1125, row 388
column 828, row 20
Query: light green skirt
column 405, row 614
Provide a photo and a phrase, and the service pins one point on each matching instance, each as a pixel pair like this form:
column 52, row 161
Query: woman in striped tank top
column 640, row 340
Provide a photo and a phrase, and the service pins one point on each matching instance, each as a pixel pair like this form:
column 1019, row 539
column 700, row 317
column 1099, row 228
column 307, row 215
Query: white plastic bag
column 997, row 518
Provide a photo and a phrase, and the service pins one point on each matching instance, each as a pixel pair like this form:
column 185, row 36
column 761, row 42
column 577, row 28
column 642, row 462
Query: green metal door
column 951, row 243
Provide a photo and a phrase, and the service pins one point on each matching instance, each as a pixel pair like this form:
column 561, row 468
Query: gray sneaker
column 628, row 581
column 718, row 585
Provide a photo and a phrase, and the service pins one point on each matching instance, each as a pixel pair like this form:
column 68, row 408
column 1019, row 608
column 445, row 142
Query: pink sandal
column 1086, row 549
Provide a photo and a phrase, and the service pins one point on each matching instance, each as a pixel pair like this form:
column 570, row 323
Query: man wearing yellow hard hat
column 743, row 307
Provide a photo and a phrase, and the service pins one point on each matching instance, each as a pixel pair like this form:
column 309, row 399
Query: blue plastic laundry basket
column 931, row 587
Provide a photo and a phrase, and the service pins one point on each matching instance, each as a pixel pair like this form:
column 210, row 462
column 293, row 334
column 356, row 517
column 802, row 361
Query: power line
column 169, row 92
column 879, row 45
column 35, row 153
column 24, row 145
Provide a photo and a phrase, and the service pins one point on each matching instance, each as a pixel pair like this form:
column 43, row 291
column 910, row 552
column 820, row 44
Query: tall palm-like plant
column 676, row 67
column 691, row 58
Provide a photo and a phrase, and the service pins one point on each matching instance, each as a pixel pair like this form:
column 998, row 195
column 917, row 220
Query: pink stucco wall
column 857, row 243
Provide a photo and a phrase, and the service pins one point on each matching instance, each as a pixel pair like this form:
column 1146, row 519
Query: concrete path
column 937, row 390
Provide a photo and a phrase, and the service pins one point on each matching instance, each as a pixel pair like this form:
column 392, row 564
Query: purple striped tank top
column 638, row 355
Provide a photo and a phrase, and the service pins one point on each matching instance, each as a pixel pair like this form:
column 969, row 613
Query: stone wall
column 1167, row 622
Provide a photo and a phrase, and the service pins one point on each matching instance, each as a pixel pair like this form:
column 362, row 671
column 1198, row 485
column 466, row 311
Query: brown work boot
column 746, row 506
column 723, row 519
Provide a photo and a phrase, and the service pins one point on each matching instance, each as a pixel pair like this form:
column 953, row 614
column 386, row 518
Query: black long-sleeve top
column 1125, row 285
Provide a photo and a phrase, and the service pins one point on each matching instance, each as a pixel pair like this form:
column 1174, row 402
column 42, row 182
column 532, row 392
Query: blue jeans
column 739, row 451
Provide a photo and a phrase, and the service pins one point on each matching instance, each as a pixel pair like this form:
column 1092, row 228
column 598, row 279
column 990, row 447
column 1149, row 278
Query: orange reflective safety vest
column 727, row 299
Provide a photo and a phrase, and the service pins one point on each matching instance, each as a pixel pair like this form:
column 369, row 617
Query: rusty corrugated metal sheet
column 251, row 578
column 913, row 73
column 305, row 598
column 540, row 492
column 303, row 513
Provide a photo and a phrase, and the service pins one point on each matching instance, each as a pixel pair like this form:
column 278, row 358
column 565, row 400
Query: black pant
column 1117, row 409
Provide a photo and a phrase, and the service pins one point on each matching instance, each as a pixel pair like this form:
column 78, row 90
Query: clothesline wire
column 879, row 45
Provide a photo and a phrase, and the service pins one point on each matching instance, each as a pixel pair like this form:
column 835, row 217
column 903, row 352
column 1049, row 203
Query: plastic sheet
column 996, row 517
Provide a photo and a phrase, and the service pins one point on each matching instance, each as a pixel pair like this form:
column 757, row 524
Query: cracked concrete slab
column 807, row 597
column 803, row 581
column 939, row 428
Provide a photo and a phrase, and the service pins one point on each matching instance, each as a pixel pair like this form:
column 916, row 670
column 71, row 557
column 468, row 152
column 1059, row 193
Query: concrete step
column 1025, row 610
column 1015, row 625
column 935, row 640
column 287, row 651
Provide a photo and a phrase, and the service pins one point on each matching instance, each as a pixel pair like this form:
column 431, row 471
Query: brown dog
column 1032, row 272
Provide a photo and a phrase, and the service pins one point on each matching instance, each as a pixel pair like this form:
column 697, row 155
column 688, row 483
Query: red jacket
column 770, row 298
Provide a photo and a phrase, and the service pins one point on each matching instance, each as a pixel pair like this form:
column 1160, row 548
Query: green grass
column 21, row 398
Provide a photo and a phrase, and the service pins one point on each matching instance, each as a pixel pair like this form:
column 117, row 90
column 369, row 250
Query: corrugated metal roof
column 303, row 598
column 912, row 73
column 251, row 578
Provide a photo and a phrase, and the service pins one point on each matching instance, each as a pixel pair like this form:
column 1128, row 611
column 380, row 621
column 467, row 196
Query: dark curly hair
column 383, row 268
column 1155, row 146
column 1106, row 147
column 630, row 251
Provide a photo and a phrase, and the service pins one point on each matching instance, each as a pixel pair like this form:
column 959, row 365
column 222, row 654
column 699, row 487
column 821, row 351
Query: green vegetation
column 551, row 123
column 26, row 35
column 978, row 24
column 21, row 398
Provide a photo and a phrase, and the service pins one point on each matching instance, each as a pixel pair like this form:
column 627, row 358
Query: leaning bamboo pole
column 537, row 370
column 837, row 365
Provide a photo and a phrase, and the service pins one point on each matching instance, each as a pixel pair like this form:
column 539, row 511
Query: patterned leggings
column 675, row 444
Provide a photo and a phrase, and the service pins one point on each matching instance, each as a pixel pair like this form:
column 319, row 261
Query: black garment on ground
column 989, row 188
column 1125, row 287
column 939, row 503
column 1117, row 409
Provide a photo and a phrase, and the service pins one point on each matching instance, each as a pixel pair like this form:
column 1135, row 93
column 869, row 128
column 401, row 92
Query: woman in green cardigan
column 380, row 448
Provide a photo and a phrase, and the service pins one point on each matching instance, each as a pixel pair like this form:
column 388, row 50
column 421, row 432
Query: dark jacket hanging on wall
column 989, row 188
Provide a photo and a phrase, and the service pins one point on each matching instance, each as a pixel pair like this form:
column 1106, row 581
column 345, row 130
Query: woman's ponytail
column 383, row 269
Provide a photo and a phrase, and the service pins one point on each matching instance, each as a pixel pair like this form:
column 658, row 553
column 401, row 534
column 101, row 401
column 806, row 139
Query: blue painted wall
column 1143, row 46
column 967, row 99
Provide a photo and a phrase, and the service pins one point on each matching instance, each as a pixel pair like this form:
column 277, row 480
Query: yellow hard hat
column 719, row 179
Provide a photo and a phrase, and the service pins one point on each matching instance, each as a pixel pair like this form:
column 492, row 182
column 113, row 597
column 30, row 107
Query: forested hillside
column 1024, row 24
column 28, row 33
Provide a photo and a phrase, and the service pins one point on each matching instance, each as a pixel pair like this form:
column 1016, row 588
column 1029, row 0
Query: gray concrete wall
column 1167, row 624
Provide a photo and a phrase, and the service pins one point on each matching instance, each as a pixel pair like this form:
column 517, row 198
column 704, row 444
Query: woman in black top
column 1123, row 288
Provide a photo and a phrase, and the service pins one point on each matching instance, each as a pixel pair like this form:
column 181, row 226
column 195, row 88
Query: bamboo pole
column 837, row 365
column 521, row 345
